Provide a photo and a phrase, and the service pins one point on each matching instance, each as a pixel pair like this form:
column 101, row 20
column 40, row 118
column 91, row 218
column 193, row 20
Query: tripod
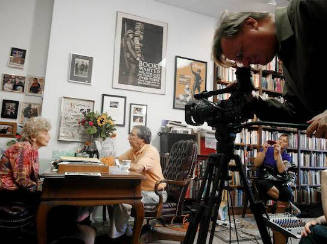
column 212, row 187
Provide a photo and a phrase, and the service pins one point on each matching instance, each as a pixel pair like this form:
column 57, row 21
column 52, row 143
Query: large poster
column 140, row 53
column 190, row 79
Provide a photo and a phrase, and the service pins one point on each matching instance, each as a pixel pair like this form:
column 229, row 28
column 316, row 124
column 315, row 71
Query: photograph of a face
column 137, row 115
column 9, row 109
column 13, row 83
column 8, row 129
column 81, row 69
column 34, row 85
column 17, row 58
column 28, row 110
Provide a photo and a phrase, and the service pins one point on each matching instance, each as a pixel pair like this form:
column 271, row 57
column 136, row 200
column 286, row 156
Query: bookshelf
column 308, row 154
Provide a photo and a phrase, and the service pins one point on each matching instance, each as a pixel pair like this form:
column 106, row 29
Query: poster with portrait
column 81, row 69
column 17, row 58
column 140, row 54
column 71, row 113
column 137, row 115
column 115, row 107
column 34, row 86
column 13, row 83
column 9, row 109
column 190, row 79
column 28, row 110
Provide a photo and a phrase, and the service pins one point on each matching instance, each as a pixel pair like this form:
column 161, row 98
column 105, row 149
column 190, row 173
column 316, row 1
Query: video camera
column 234, row 110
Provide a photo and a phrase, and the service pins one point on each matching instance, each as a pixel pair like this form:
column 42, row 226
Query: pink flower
column 90, row 123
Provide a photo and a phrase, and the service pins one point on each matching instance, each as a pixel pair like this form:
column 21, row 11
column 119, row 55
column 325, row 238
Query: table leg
column 41, row 222
column 139, row 217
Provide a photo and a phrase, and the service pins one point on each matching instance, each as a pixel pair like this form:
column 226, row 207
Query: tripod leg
column 218, row 184
column 257, row 210
column 196, row 217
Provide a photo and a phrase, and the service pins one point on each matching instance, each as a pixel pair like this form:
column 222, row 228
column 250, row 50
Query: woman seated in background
column 20, row 185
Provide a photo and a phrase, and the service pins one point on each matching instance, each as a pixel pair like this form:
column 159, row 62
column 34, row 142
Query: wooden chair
column 178, row 174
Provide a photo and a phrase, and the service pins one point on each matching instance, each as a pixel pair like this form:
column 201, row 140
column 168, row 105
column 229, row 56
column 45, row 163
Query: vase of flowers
column 99, row 127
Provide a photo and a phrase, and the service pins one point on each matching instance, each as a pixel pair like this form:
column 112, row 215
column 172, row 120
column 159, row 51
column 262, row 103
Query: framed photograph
column 8, row 129
column 17, row 58
column 9, row 109
column 81, row 69
column 137, row 115
column 115, row 106
column 71, row 113
column 140, row 54
column 34, row 86
column 13, row 83
column 190, row 79
column 28, row 110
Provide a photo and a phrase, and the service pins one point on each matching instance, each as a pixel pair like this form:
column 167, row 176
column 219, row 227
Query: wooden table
column 90, row 191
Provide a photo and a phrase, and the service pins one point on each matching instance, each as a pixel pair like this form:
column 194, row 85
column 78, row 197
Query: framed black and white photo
column 114, row 106
column 137, row 115
column 8, row 129
column 71, row 113
column 17, row 58
column 80, row 69
column 28, row 110
column 190, row 79
column 34, row 86
column 13, row 83
column 140, row 54
column 9, row 109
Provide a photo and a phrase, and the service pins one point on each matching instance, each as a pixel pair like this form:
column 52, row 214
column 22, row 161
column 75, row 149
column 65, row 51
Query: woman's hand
column 318, row 126
column 306, row 231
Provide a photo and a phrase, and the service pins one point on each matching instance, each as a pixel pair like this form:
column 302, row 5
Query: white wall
column 26, row 25
column 88, row 28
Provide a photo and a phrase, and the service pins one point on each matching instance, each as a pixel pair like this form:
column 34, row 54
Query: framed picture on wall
column 190, row 79
column 17, row 58
column 81, row 69
column 137, row 115
column 114, row 106
column 28, row 110
column 34, row 86
column 13, row 83
column 71, row 113
column 9, row 109
column 8, row 129
column 140, row 54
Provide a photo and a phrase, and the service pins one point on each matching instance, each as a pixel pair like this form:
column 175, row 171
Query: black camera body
column 234, row 110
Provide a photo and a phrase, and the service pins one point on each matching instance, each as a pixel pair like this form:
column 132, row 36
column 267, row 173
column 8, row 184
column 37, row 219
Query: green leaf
column 91, row 130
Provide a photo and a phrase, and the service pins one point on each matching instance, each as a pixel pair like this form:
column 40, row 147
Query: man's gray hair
column 144, row 133
column 230, row 25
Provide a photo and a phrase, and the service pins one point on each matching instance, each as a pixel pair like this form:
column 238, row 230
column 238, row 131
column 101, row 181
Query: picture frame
column 70, row 114
column 8, row 129
column 34, row 86
column 28, row 110
column 190, row 78
column 80, row 70
column 114, row 106
column 17, row 58
column 140, row 54
column 13, row 83
column 9, row 109
column 137, row 115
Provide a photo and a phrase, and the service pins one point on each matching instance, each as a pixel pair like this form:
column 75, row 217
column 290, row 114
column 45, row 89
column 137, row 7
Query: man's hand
column 265, row 147
column 306, row 231
column 277, row 150
column 318, row 126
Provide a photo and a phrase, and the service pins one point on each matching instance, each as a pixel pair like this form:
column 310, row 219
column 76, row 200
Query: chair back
column 180, row 166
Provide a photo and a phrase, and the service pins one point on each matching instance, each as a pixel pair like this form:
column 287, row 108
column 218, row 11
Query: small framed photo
column 13, row 83
column 28, row 110
column 17, row 58
column 9, row 109
column 80, row 69
column 190, row 79
column 34, row 86
column 114, row 106
column 8, row 129
column 137, row 115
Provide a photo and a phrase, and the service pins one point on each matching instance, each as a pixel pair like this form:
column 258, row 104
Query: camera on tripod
column 234, row 110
